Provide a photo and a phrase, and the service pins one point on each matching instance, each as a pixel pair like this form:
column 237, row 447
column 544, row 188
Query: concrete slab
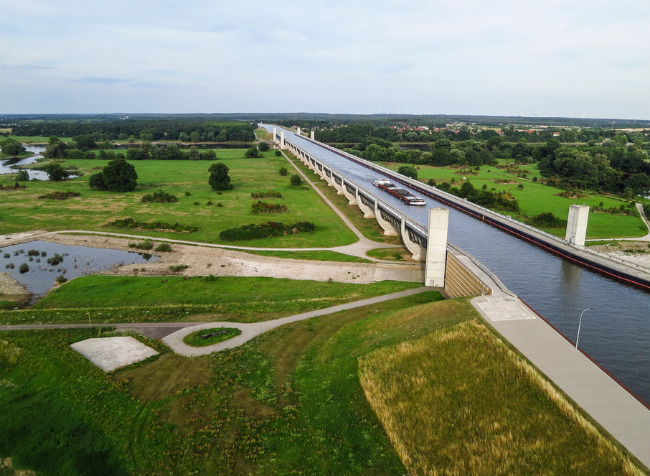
column 110, row 353
column 505, row 309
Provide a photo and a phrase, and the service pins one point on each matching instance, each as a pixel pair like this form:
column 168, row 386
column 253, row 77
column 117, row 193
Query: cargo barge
column 400, row 193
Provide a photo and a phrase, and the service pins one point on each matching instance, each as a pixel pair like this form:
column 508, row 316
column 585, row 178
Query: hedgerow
column 265, row 230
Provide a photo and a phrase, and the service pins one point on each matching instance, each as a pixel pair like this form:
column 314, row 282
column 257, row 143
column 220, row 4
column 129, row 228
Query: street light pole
column 579, row 323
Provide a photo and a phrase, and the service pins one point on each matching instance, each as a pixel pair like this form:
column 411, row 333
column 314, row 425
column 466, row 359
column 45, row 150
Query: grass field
column 536, row 198
column 92, row 210
column 262, row 294
column 460, row 402
column 288, row 402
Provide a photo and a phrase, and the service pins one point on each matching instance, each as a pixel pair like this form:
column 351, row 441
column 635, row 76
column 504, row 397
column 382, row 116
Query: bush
column 61, row 279
column 283, row 171
column 263, row 146
column 23, row 268
column 296, row 180
column 178, row 267
column 265, row 230
column 408, row 171
column 262, row 207
column 163, row 247
column 130, row 223
column 23, row 176
column 56, row 173
column 160, row 197
column 253, row 153
column 96, row 182
column 278, row 153
column 60, row 195
column 267, row 194
column 55, row 260
column 547, row 220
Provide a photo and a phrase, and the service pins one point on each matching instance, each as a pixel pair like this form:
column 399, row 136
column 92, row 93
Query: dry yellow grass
column 460, row 402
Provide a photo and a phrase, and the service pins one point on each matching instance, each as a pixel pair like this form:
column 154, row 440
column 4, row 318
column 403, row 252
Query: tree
column 295, row 180
column 409, row 171
column 23, row 176
column 96, row 182
column 639, row 183
column 219, row 178
column 12, row 147
column 56, row 173
column 253, row 153
column 119, row 176
column 264, row 146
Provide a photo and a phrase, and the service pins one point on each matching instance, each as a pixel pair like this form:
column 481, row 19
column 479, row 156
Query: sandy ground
column 203, row 261
column 636, row 252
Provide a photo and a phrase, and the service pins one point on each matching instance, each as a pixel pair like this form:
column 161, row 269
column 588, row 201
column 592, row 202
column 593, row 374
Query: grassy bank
column 197, row 204
column 460, row 402
column 288, row 402
column 108, row 299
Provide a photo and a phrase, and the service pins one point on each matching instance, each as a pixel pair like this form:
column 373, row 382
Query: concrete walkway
column 251, row 330
column 586, row 383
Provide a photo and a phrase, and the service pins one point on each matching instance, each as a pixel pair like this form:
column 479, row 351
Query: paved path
column 252, row 330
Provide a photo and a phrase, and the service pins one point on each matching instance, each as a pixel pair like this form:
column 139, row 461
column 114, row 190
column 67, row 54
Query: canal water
column 615, row 333
column 75, row 261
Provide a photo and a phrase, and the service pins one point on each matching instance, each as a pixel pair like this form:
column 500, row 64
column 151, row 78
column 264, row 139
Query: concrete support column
column 436, row 262
column 368, row 212
column 274, row 135
column 312, row 135
column 388, row 227
column 576, row 228
column 417, row 251
column 283, row 145
column 338, row 186
column 299, row 131
column 352, row 197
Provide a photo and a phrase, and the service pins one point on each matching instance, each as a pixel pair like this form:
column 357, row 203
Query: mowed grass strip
column 251, row 294
column 460, row 402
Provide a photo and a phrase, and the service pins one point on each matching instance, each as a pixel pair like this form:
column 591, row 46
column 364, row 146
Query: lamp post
column 579, row 323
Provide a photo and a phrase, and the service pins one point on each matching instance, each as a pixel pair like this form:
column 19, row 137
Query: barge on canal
column 400, row 193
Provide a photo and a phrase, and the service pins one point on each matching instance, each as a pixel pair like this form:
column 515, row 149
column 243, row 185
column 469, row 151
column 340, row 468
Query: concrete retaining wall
column 460, row 281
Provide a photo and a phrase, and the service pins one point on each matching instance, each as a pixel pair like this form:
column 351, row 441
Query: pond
column 36, row 265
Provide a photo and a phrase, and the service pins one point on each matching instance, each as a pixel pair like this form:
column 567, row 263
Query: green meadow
column 536, row 198
column 197, row 204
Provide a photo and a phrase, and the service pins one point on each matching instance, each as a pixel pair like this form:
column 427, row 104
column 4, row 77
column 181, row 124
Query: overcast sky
column 579, row 58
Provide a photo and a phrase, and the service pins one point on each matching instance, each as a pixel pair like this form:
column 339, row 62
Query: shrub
column 296, row 180
column 160, row 197
column 408, row 171
column 23, row 176
column 263, row 146
column 55, row 260
column 278, row 153
column 262, row 207
column 283, row 171
column 178, row 267
column 144, row 245
column 265, row 230
column 96, row 182
column 253, row 153
column 33, row 253
column 163, row 247
column 268, row 194
column 23, row 268
column 547, row 220
column 61, row 195
column 130, row 223
column 56, row 173
column 188, row 194
column 61, row 279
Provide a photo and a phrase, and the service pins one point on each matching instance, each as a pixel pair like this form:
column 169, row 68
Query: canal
column 615, row 333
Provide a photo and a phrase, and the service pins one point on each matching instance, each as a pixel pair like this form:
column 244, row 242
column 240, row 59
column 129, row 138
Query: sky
column 566, row 58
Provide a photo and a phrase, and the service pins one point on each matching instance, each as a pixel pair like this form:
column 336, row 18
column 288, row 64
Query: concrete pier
column 576, row 228
column 434, row 274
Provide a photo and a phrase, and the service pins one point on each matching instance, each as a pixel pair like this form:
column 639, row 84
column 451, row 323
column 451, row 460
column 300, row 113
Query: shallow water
column 77, row 261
